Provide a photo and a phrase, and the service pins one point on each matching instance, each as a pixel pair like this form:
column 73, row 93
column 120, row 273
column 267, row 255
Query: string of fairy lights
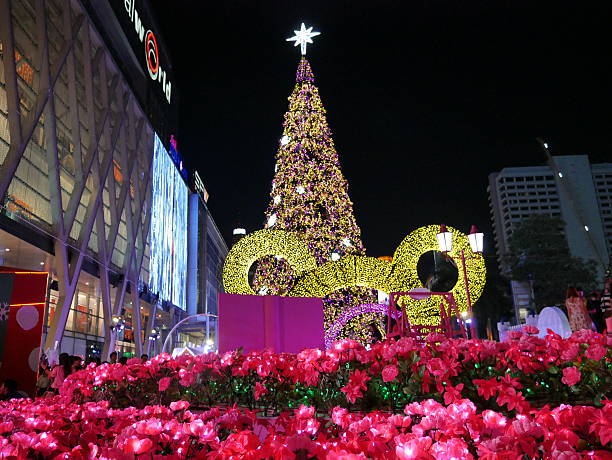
column 309, row 197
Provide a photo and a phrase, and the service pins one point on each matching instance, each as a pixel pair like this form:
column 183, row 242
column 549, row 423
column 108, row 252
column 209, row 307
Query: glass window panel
column 70, row 322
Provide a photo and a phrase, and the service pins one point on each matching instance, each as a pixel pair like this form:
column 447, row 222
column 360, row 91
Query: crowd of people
column 592, row 311
column 51, row 378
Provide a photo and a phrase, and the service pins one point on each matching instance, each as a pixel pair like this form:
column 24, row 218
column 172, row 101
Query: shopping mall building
column 92, row 187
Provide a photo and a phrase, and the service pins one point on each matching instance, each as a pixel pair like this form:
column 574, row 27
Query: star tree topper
column 303, row 37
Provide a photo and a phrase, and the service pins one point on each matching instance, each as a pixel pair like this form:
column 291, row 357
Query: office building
column 571, row 188
column 206, row 254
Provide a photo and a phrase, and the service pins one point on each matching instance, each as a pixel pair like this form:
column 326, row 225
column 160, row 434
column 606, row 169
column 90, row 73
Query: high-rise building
column 207, row 251
column 92, row 187
column 571, row 188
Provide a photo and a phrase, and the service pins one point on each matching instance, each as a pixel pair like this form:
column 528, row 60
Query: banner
column 22, row 312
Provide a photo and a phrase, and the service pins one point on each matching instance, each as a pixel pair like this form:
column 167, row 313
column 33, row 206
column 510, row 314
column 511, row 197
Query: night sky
column 424, row 99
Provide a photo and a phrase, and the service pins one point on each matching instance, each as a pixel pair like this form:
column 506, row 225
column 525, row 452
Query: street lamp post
column 445, row 244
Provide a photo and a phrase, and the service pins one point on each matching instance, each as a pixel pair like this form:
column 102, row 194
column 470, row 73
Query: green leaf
column 553, row 370
column 597, row 399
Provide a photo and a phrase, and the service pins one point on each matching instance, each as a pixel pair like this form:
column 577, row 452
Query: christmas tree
column 310, row 198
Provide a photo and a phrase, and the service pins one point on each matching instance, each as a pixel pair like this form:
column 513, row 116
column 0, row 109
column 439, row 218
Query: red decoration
column 21, row 333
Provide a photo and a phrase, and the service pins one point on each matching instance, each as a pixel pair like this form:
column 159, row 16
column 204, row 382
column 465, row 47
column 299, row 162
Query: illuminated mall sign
column 151, row 50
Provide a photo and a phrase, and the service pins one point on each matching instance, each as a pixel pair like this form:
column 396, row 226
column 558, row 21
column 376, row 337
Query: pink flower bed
column 511, row 377
column 426, row 430
column 445, row 399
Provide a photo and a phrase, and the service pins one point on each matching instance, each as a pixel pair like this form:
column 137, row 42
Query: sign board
column 144, row 37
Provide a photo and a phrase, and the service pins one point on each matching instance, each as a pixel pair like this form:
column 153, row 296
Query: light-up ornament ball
column 285, row 140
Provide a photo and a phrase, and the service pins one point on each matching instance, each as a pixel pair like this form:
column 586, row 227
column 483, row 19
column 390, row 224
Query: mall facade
column 93, row 189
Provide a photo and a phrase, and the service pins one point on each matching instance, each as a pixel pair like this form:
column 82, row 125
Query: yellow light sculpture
column 399, row 275
column 260, row 244
column 347, row 272
column 407, row 256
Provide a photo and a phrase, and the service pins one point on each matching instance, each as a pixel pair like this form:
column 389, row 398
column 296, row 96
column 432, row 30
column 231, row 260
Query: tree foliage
column 538, row 252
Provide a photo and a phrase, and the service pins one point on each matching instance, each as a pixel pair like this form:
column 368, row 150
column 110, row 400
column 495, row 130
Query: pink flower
column 452, row 449
column 487, row 388
column 187, row 378
column 342, row 454
column 389, row 373
column 21, row 439
column 151, row 427
column 199, row 429
column 6, row 427
column 570, row 352
column 596, row 352
column 164, row 383
column 413, row 448
column 434, row 337
column 513, row 399
column 300, row 443
column 136, row 445
column 571, row 376
column 357, row 382
column 179, row 405
column 452, row 394
column 260, row 389
column 515, row 335
column 494, row 420
column 339, row 416
column 304, row 412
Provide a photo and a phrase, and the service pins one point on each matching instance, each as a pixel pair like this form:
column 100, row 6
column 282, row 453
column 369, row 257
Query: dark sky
column 424, row 98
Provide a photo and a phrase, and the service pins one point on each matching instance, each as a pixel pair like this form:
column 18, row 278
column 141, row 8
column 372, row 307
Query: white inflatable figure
column 554, row 319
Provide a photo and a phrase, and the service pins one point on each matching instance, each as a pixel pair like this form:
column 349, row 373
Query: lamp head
column 476, row 239
column 445, row 239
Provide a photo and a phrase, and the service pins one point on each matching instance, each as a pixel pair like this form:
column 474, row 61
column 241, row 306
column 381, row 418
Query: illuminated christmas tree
column 310, row 198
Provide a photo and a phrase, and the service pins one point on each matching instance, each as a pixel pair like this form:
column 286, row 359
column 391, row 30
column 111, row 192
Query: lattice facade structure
column 76, row 153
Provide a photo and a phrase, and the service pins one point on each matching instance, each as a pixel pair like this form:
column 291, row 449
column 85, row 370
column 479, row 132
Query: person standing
column 60, row 372
column 76, row 363
column 9, row 390
column 579, row 318
column 594, row 309
column 43, row 381
column 605, row 306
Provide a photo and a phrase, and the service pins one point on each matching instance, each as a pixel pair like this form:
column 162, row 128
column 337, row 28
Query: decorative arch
column 334, row 330
column 260, row 244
